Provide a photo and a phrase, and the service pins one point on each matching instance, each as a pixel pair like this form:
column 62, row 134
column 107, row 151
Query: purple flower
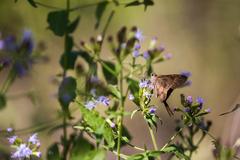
column 104, row 100
column 208, row 110
column 137, row 46
column 131, row 97
column 22, row 151
column 90, row 105
column 135, row 53
column 161, row 48
column 143, row 83
column 12, row 139
column 167, row 56
column 188, row 110
column 9, row 130
column 146, row 55
column 20, row 69
column 199, row 100
column 139, row 35
column 10, row 44
column 34, row 139
column 186, row 73
column 152, row 110
column 189, row 99
column 27, row 42
column 94, row 79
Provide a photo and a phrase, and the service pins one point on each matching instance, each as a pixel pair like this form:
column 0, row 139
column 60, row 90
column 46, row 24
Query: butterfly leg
column 170, row 112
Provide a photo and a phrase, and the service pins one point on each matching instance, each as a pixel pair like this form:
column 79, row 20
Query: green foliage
column 80, row 148
column 175, row 150
column 68, row 59
column 101, row 7
column 146, row 3
column 58, row 22
column 73, row 25
column 147, row 155
column 110, row 72
column 97, row 124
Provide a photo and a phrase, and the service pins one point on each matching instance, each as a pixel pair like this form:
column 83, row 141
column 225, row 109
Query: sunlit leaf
column 98, row 124
column 114, row 90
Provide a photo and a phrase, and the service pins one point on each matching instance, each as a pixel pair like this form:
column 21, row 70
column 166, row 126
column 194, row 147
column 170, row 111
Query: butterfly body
column 164, row 86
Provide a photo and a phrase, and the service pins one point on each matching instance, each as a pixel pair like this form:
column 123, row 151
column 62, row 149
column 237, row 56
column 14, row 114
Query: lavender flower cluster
column 152, row 49
column 94, row 102
column 24, row 150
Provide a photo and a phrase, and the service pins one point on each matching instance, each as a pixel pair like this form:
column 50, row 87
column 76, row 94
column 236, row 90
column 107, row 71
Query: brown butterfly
column 164, row 86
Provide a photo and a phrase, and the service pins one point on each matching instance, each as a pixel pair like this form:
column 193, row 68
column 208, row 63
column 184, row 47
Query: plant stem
column 65, row 145
column 153, row 140
column 120, row 120
column 7, row 83
column 172, row 138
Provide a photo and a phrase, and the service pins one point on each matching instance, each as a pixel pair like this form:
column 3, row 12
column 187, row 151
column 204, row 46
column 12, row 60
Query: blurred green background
column 202, row 35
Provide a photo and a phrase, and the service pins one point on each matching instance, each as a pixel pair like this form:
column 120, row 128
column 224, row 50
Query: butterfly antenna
column 170, row 112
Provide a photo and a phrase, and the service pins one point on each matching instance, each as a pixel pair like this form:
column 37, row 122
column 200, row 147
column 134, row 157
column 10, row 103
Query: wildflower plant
column 102, row 100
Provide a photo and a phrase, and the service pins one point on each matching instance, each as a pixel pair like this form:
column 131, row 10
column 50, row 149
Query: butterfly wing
column 172, row 80
column 166, row 82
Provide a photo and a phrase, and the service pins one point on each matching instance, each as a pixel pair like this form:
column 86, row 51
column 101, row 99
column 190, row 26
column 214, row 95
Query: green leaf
column 98, row 124
column 68, row 60
column 134, row 3
column 115, row 91
column 99, row 12
column 3, row 101
column 95, row 155
column 53, row 152
column 32, row 3
column 58, row 22
column 81, row 148
column 72, row 26
column 147, row 155
column 176, row 151
column 109, row 71
column 147, row 3
column 86, row 56
column 66, row 92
